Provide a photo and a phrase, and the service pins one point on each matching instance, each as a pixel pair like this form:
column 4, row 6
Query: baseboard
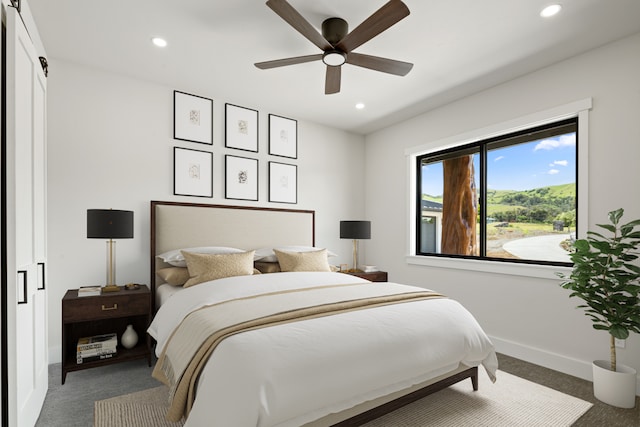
column 575, row 367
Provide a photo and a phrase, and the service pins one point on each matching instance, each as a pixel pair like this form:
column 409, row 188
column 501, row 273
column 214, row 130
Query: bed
column 340, row 361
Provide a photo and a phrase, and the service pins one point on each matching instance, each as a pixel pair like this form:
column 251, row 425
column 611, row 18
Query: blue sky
column 527, row 166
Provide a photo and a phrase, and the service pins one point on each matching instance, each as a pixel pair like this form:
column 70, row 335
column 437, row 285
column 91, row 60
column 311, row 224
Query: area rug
column 511, row 401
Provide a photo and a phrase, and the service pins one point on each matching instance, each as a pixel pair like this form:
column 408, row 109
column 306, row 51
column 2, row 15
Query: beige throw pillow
column 175, row 276
column 267, row 267
column 205, row 267
column 303, row 261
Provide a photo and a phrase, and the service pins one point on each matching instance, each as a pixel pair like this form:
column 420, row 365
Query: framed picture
column 192, row 172
column 241, row 128
column 241, row 178
column 283, row 183
column 192, row 118
column 283, row 136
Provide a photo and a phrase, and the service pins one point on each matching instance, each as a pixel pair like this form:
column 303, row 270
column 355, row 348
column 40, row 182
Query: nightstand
column 101, row 314
column 374, row 276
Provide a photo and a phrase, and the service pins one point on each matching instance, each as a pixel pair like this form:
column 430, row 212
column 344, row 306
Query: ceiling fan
column 337, row 43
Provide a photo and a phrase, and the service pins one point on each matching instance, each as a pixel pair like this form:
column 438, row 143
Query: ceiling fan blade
column 288, row 61
column 297, row 21
column 383, row 18
column 385, row 65
column 332, row 80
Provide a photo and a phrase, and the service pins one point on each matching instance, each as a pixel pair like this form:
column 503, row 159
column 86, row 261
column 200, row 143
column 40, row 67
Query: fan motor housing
column 334, row 30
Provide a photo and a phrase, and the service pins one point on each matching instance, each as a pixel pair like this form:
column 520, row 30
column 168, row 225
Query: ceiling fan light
column 334, row 58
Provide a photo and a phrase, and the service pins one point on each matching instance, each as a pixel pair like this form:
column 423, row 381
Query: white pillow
column 176, row 258
column 267, row 254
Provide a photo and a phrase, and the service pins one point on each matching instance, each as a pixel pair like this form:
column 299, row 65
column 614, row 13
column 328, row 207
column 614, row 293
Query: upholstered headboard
column 183, row 225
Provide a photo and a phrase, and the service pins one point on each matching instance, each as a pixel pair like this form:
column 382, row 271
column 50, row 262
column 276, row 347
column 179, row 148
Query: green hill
column 536, row 205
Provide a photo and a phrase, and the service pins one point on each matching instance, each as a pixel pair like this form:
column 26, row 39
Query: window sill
column 495, row 267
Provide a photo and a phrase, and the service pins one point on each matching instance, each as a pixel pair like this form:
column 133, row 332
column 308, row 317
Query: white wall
column 533, row 319
column 111, row 146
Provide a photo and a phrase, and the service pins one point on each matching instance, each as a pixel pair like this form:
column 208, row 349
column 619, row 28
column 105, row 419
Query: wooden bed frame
column 254, row 227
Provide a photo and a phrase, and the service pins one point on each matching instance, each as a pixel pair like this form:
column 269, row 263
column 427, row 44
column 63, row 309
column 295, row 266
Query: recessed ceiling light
column 550, row 10
column 359, row 105
column 160, row 42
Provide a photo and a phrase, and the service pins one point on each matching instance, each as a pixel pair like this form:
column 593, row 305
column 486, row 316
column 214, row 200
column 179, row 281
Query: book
column 88, row 291
column 81, row 360
column 95, row 352
column 104, row 341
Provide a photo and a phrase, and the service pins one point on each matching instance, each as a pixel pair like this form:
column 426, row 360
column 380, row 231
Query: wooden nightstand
column 106, row 313
column 374, row 276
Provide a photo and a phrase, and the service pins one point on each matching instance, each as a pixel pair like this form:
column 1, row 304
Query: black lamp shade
column 355, row 229
column 109, row 224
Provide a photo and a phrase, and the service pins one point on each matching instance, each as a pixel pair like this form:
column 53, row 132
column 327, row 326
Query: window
column 509, row 198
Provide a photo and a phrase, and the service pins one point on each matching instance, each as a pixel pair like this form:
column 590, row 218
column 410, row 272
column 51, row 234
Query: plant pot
column 614, row 388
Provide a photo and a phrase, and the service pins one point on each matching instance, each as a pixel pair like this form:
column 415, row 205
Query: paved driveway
column 544, row 248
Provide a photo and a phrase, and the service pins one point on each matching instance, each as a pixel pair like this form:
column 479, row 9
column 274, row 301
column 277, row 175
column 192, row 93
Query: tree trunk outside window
column 459, row 209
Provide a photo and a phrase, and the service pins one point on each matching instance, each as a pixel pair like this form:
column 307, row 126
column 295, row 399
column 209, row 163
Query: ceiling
column 458, row 47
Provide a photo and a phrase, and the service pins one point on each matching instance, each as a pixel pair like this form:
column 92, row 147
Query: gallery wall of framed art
column 194, row 172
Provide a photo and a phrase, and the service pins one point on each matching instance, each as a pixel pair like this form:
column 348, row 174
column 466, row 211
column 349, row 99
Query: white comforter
column 294, row 373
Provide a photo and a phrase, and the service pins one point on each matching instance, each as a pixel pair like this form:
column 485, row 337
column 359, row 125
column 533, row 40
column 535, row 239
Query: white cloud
column 498, row 158
column 561, row 162
column 553, row 171
column 568, row 140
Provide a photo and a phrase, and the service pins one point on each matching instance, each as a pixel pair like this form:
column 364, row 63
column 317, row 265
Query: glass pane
column 531, row 199
column 449, row 204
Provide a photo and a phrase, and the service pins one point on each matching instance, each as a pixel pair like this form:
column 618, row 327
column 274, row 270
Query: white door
column 26, row 226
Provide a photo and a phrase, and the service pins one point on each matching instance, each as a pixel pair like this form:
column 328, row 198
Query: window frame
column 482, row 148
column 580, row 110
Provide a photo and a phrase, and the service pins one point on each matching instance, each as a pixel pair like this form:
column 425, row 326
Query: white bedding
column 294, row 373
column 164, row 292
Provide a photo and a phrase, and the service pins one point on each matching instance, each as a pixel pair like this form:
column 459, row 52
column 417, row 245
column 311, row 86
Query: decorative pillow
column 267, row 267
column 303, row 261
column 175, row 276
column 268, row 254
column 205, row 267
column 176, row 258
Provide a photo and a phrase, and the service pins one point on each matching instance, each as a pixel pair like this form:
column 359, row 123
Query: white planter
column 614, row 388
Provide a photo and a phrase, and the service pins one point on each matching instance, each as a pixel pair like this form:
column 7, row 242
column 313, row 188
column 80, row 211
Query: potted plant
column 606, row 279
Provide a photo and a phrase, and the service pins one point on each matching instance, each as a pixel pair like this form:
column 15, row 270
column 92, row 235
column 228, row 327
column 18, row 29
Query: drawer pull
column 115, row 307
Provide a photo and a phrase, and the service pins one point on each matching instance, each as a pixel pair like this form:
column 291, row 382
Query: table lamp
column 355, row 230
column 110, row 224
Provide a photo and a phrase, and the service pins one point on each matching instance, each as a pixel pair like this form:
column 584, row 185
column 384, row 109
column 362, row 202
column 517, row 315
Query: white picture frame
column 283, row 136
column 283, row 183
column 192, row 172
column 241, row 128
column 192, row 118
column 241, row 178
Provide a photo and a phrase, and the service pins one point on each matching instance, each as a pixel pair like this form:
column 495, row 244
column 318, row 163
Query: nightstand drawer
column 105, row 307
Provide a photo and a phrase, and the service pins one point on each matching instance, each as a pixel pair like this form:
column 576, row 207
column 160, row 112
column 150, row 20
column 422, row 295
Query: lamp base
column 110, row 288
column 353, row 270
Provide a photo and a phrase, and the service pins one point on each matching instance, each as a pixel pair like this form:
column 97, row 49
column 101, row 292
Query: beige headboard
column 182, row 225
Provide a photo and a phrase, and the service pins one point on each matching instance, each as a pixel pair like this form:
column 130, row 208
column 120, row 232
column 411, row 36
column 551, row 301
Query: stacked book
column 369, row 268
column 87, row 291
column 97, row 347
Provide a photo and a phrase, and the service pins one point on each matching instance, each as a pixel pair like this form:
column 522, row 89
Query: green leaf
column 614, row 216
column 608, row 227
column 619, row 332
